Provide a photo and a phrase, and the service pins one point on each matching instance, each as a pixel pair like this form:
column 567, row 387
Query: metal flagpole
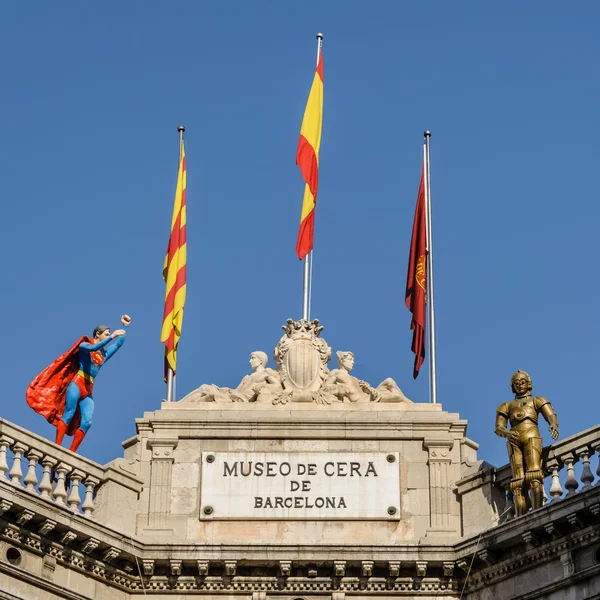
column 170, row 378
column 310, row 283
column 430, row 305
column 306, row 288
column 307, row 280
column 170, row 374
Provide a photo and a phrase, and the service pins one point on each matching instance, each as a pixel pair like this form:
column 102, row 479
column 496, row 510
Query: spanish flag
column 307, row 158
column 416, row 280
column 174, row 272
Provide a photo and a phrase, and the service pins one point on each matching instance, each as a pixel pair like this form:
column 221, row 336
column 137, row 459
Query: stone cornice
column 584, row 503
column 562, row 584
column 347, row 424
column 64, row 518
column 534, row 558
column 99, row 552
column 438, row 442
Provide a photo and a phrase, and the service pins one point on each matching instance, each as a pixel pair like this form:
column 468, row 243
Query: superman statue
column 62, row 392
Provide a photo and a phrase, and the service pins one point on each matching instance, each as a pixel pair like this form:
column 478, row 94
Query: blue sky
column 92, row 97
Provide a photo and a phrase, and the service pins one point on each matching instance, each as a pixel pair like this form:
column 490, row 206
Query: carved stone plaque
column 300, row 485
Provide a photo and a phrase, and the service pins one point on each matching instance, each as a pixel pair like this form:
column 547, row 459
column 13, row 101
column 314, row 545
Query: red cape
column 46, row 393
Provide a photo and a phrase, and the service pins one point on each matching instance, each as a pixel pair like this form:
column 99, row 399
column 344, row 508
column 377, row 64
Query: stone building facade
column 279, row 489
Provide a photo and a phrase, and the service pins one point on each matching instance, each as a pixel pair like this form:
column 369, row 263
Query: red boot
column 77, row 439
column 61, row 428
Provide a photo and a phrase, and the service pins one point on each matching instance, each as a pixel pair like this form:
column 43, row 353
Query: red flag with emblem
column 416, row 280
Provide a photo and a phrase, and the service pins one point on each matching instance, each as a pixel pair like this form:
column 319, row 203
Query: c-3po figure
column 524, row 440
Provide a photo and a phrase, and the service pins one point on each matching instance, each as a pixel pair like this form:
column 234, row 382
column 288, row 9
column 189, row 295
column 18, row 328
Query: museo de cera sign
column 300, row 485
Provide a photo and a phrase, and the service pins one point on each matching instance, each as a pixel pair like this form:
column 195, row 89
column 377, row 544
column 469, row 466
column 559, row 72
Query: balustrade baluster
column 16, row 472
column 571, row 483
column 596, row 447
column 31, row 479
column 88, row 506
column 556, row 490
column 586, row 474
column 60, row 491
column 74, row 500
column 45, row 486
column 5, row 443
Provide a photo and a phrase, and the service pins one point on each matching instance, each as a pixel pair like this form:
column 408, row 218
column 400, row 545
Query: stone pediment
column 301, row 376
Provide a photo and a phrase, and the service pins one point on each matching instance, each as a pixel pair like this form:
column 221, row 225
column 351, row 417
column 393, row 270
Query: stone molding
column 483, row 578
column 328, row 575
column 361, row 422
column 535, row 548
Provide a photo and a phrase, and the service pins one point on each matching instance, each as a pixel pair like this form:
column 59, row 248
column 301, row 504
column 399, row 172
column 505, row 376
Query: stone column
column 160, row 480
column 440, row 486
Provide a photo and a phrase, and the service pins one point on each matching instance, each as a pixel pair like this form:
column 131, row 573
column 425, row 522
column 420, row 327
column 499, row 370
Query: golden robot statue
column 524, row 440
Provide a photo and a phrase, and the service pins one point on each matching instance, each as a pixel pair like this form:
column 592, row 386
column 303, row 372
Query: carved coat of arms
column 302, row 360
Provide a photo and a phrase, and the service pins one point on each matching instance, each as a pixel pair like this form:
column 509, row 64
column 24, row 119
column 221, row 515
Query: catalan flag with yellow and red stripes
column 174, row 272
column 307, row 158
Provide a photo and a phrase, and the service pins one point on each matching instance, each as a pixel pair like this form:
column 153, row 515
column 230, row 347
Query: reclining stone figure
column 344, row 386
column 262, row 385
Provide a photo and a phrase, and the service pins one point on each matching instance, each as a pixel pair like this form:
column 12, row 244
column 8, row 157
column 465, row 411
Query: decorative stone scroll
column 302, row 375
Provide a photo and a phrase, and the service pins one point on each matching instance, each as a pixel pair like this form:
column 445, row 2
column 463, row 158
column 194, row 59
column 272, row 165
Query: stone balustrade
column 54, row 474
column 559, row 461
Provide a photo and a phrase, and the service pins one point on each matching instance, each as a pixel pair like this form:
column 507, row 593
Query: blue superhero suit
column 79, row 392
